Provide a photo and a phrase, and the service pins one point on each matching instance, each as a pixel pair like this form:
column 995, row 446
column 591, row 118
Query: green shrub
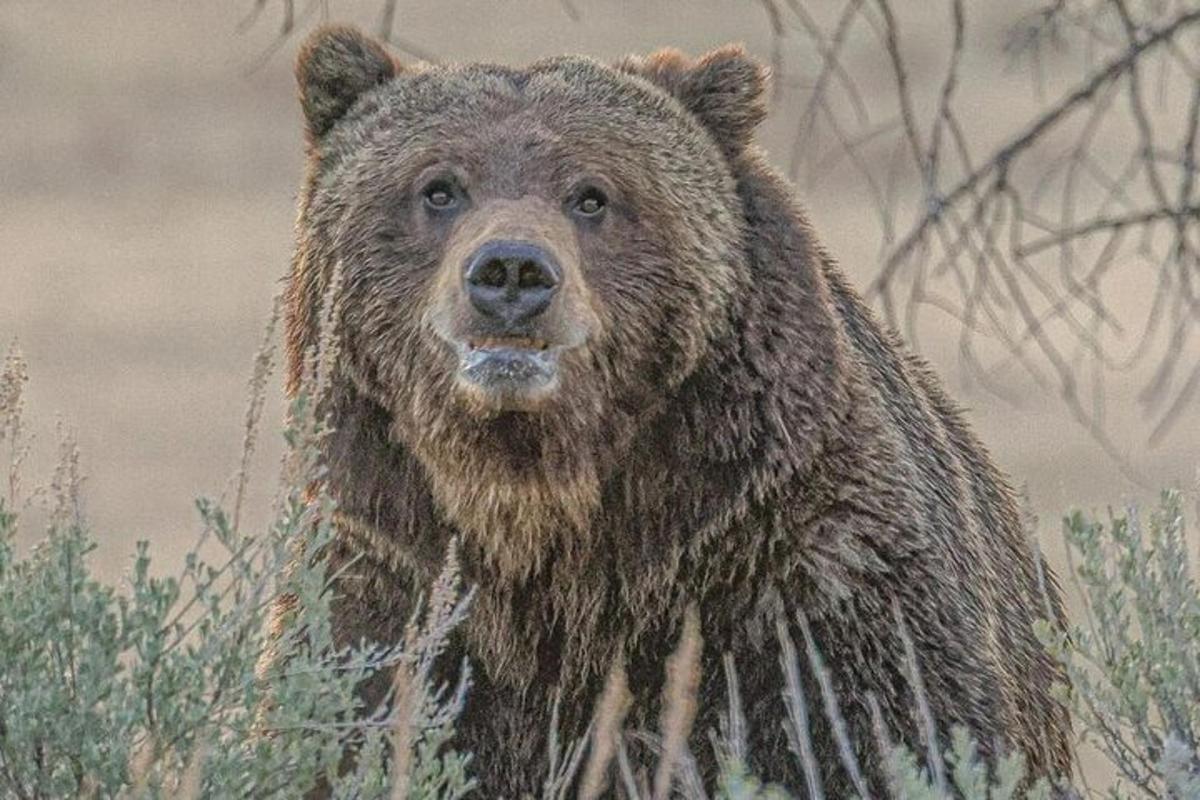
column 1134, row 662
column 159, row 687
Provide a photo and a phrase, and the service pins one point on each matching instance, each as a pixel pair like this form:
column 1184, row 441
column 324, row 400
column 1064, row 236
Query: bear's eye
column 590, row 203
column 440, row 195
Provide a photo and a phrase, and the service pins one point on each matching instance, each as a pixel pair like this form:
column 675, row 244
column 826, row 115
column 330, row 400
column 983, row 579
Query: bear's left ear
column 336, row 64
column 725, row 89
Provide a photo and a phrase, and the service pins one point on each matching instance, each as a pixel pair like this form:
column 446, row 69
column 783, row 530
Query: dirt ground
column 148, row 167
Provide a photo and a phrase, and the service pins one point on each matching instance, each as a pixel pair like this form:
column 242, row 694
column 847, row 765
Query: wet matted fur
column 736, row 430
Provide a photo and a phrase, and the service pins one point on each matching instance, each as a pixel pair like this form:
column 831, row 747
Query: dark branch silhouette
column 1022, row 243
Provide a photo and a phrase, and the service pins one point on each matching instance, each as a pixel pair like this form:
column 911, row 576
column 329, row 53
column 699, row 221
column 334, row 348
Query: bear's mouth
column 509, row 342
column 511, row 371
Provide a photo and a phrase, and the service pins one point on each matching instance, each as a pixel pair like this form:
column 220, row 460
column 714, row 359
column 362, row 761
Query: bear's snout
column 511, row 302
column 511, row 283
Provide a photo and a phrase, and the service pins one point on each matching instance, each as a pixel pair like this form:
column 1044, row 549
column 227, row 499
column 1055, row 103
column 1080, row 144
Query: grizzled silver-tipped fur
column 728, row 425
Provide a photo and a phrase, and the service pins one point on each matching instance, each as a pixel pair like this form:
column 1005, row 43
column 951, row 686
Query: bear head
column 531, row 261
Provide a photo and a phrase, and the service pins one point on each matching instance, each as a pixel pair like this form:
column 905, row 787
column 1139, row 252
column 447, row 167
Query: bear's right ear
column 725, row 89
column 335, row 66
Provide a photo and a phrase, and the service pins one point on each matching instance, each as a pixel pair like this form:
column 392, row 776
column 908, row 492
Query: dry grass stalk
column 832, row 710
column 423, row 643
column 564, row 763
column 316, row 378
column 690, row 779
column 610, row 715
column 328, row 342
column 553, row 751
column 12, row 408
column 264, row 366
column 636, row 787
column 734, row 740
column 929, row 733
column 66, row 484
column 679, row 702
column 405, row 690
column 797, row 709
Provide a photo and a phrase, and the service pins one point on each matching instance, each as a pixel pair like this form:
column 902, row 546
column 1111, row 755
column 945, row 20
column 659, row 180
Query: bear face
column 531, row 260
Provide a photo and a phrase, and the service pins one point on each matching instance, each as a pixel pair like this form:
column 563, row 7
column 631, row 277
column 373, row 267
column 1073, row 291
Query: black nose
column 511, row 281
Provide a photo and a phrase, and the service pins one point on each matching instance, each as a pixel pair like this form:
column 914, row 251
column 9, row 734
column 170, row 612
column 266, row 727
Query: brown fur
column 734, row 428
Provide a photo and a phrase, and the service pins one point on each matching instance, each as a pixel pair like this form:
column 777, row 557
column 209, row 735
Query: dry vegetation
column 1021, row 240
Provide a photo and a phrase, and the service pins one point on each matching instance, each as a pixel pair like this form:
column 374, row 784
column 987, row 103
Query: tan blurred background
column 149, row 159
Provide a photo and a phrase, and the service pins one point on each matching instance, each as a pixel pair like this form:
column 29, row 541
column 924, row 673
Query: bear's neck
column 725, row 440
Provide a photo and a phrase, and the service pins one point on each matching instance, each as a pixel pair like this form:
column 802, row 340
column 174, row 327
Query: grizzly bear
column 588, row 332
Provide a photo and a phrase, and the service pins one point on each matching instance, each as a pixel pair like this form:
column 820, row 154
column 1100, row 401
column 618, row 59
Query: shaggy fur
column 736, row 431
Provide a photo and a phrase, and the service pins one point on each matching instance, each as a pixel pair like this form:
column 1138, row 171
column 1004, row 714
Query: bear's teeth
column 516, row 343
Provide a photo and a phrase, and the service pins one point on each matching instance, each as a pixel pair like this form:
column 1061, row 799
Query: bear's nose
column 511, row 281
